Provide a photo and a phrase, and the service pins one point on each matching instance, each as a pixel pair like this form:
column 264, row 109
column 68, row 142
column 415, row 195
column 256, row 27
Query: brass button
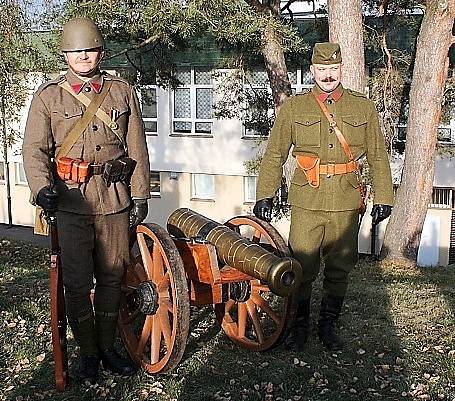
column 330, row 129
column 95, row 128
column 330, row 101
column 113, row 125
column 87, row 89
column 97, row 148
column 330, row 145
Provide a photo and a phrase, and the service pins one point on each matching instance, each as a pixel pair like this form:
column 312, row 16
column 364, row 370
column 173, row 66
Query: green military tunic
column 324, row 219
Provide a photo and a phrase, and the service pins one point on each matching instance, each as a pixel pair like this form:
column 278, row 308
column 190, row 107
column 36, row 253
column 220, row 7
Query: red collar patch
column 77, row 87
column 96, row 86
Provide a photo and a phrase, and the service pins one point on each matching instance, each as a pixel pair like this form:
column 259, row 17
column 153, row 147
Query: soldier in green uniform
column 324, row 193
column 94, row 207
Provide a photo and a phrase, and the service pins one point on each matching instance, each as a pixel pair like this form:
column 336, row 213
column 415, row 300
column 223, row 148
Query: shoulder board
column 111, row 77
column 51, row 82
column 355, row 93
column 304, row 91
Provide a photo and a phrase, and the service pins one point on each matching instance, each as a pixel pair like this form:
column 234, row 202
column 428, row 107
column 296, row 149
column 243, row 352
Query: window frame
column 17, row 167
column 204, row 197
column 2, row 172
column 193, row 119
column 149, row 119
column 246, row 188
column 156, row 194
column 438, row 194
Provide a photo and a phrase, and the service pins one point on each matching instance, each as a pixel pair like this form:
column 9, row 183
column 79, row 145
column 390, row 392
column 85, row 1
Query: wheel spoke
column 164, row 283
column 163, row 316
column 145, row 253
column 128, row 289
column 242, row 319
column 155, row 344
column 132, row 317
column 145, row 335
column 166, row 304
column 256, row 237
column 254, row 318
column 262, row 303
column 157, row 272
column 228, row 306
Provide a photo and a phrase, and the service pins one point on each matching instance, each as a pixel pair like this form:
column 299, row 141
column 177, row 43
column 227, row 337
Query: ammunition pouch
column 310, row 166
column 73, row 170
column 118, row 170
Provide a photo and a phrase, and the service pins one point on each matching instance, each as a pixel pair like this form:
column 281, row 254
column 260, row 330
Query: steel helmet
column 80, row 33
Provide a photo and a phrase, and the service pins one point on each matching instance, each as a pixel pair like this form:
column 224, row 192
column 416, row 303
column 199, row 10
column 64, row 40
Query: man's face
column 326, row 76
column 84, row 62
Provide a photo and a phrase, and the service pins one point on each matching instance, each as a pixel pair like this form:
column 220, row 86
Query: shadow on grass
column 398, row 331
column 397, row 325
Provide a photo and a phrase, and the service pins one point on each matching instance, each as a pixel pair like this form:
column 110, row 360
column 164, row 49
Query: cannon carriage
column 242, row 268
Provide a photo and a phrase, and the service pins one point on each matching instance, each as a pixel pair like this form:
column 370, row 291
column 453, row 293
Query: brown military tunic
column 52, row 115
column 92, row 217
column 324, row 219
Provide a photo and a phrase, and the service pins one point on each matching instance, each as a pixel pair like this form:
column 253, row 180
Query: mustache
column 329, row 79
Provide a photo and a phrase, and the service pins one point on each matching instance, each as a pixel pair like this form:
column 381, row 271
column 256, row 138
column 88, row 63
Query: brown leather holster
column 310, row 166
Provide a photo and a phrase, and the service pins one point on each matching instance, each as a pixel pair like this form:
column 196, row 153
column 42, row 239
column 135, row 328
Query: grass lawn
column 398, row 324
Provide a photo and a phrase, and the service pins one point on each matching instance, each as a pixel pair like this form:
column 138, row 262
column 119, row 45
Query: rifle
column 58, row 312
column 374, row 240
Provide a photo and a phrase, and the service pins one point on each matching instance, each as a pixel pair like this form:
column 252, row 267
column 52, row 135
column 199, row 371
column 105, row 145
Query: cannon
column 242, row 268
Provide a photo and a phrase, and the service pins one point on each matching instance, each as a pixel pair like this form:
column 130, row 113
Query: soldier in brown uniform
column 324, row 193
column 93, row 215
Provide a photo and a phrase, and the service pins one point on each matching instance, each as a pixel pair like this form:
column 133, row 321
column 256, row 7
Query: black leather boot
column 88, row 368
column 300, row 331
column 330, row 311
column 116, row 363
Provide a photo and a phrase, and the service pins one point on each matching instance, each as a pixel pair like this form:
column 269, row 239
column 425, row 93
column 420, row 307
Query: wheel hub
column 240, row 290
column 144, row 298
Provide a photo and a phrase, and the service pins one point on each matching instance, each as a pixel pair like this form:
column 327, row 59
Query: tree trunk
column 275, row 65
column 429, row 76
column 345, row 28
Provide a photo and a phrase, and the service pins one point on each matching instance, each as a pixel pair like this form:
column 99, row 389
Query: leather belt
column 336, row 169
column 96, row 169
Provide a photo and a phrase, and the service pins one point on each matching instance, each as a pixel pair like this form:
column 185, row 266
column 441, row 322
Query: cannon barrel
column 282, row 275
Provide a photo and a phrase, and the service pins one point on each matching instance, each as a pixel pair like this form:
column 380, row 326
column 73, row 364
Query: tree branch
column 382, row 6
column 258, row 5
column 139, row 46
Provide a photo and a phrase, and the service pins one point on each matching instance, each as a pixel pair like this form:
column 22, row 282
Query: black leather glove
column 380, row 212
column 263, row 209
column 138, row 211
column 48, row 199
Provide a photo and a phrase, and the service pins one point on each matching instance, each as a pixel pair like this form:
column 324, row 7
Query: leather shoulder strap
column 100, row 113
column 338, row 133
column 82, row 124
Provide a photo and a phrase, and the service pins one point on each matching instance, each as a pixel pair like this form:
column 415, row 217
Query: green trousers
column 330, row 236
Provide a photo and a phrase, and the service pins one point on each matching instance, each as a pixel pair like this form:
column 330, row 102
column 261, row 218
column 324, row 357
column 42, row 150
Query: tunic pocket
column 308, row 131
column 354, row 129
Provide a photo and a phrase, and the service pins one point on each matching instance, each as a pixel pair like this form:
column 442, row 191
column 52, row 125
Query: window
column 249, row 188
column 442, row 198
column 193, row 102
column 149, row 109
column 444, row 134
column 2, row 171
column 258, row 108
column 155, row 183
column 203, row 186
column 20, row 173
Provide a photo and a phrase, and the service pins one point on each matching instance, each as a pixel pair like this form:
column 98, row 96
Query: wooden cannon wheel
column 256, row 318
column 154, row 310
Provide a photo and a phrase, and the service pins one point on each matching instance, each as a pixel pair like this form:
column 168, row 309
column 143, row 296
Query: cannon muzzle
column 282, row 275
